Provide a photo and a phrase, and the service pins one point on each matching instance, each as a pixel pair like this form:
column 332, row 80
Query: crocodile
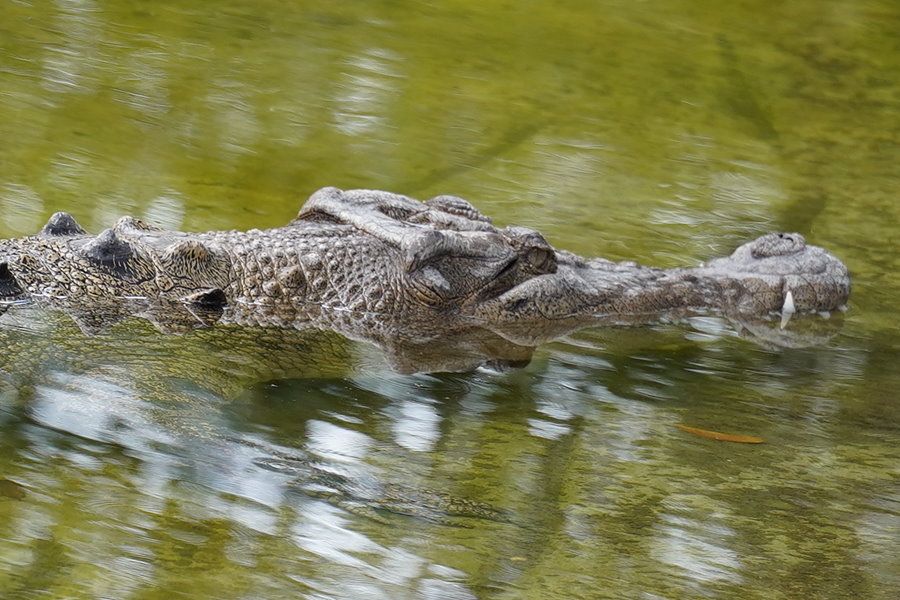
column 392, row 267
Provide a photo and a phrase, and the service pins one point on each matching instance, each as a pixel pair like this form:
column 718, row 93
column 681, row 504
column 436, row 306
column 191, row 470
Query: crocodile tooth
column 61, row 224
column 787, row 309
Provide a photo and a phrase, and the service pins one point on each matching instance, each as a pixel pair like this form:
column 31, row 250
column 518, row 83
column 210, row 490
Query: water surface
column 132, row 462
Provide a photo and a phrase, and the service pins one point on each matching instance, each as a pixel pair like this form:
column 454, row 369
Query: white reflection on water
column 546, row 429
column 437, row 589
column 710, row 195
column 416, row 425
column 878, row 532
column 93, row 409
column 336, row 442
column 66, row 65
column 634, row 426
column 107, row 209
column 555, row 168
column 142, row 82
column 745, row 197
column 693, row 538
column 365, row 90
column 22, row 209
column 166, row 210
column 90, row 408
column 235, row 120
column 69, row 171
column 324, row 532
column 570, row 165
column 708, row 329
column 354, row 566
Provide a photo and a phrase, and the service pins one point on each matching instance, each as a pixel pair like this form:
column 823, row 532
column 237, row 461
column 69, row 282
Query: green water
column 666, row 132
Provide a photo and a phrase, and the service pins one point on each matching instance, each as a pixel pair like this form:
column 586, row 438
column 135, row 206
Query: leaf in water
column 721, row 437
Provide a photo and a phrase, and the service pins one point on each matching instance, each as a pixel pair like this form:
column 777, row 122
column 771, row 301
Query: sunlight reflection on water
column 22, row 208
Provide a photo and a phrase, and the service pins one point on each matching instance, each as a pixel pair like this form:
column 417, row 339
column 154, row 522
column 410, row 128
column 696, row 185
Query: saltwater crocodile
column 391, row 265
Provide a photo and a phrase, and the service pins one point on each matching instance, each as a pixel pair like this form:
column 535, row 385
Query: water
column 131, row 462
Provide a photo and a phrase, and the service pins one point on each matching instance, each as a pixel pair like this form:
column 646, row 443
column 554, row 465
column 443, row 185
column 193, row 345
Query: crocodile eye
column 536, row 255
column 430, row 286
column 541, row 260
column 452, row 279
column 449, row 267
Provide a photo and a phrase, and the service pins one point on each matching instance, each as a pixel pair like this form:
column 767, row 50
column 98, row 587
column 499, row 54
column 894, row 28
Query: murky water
column 232, row 464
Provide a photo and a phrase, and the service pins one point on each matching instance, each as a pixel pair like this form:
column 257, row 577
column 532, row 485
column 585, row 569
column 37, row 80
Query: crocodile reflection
column 369, row 497
column 152, row 349
column 204, row 350
column 228, row 349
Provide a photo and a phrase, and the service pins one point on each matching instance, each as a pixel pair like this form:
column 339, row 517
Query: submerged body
column 395, row 264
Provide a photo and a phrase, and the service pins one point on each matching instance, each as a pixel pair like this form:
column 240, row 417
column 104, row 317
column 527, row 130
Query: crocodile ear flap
column 62, row 224
column 212, row 299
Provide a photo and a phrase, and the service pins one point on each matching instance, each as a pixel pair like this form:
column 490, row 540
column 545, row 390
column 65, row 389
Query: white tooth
column 787, row 309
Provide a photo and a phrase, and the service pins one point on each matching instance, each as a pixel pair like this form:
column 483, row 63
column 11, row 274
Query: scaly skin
column 396, row 265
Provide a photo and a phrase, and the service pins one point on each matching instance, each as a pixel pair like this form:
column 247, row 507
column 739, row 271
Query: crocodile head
column 456, row 262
